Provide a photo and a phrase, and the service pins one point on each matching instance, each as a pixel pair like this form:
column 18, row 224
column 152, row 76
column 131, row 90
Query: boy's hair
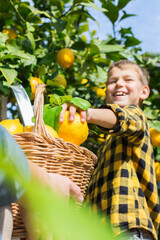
column 144, row 76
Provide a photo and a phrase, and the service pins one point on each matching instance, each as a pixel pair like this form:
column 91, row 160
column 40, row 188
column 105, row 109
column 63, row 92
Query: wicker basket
column 53, row 154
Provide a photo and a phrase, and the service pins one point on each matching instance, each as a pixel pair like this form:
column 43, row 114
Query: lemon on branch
column 101, row 92
column 155, row 137
column 59, row 79
column 34, row 81
column 12, row 125
column 157, row 169
column 10, row 32
column 65, row 58
column 75, row 132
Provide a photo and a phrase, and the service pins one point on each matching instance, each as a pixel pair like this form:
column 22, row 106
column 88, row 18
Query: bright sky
column 145, row 26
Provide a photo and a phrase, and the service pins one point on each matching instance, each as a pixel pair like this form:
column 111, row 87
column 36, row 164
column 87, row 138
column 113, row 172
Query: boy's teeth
column 120, row 94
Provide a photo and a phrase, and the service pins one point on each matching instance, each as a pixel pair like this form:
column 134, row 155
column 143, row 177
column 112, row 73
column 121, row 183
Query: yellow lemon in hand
column 75, row 131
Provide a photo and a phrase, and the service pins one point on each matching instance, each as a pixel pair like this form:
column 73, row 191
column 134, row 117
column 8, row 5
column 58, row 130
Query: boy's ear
column 145, row 93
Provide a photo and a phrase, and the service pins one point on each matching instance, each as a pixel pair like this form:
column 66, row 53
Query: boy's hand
column 72, row 109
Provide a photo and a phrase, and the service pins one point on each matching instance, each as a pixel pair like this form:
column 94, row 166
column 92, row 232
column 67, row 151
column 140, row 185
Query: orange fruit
column 11, row 33
column 12, row 125
column 65, row 58
column 34, row 81
column 49, row 129
column 155, row 137
column 75, row 132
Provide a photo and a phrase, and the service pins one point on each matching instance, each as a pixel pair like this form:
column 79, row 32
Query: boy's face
column 124, row 87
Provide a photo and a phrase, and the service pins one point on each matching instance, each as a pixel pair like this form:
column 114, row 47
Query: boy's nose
column 120, row 82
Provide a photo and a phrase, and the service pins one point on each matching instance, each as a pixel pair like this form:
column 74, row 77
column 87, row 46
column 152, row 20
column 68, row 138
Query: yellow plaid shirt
column 123, row 185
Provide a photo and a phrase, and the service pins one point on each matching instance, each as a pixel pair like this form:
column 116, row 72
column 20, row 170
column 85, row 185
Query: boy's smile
column 124, row 87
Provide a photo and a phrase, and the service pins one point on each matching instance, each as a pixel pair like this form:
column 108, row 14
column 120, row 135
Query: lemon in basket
column 75, row 132
column 49, row 129
column 12, row 125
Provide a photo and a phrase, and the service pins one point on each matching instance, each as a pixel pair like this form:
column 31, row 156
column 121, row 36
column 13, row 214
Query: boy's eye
column 128, row 79
column 112, row 81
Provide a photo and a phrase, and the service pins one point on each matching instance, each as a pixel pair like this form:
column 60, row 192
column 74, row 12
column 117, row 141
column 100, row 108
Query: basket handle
column 39, row 126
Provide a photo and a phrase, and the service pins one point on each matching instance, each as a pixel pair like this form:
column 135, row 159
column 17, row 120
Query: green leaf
column 81, row 103
column 110, row 48
column 51, row 116
column 83, row 28
column 79, row 46
column 94, row 6
column 113, row 11
column 125, row 15
column 82, row 12
column 54, row 215
column 56, row 100
column 33, row 18
column 59, row 24
column 31, row 39
column 3, row 38
column 94, row 50
column 9, row 74
column 131, row 41
column 123, row 3
column 41, row 70
column 154, row 124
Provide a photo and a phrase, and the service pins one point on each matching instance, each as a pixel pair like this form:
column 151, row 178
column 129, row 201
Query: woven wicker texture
column 53, row 154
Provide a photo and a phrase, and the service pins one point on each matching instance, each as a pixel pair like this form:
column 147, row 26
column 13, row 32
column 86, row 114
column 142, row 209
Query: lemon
column 49, row 129
column 157, row 169
column 84, row 81
column 34, row 81
column 12, row 125
column 65, row 58
column 155, row 137
column 101, row 138
column 59, row 79
column 101, row 92
column 11, row 33
column 75, row 132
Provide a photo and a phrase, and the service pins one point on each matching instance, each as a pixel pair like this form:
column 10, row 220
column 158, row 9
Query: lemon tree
column 43, row 30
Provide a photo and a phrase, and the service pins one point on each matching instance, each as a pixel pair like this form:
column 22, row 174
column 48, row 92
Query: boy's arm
column 105, row 118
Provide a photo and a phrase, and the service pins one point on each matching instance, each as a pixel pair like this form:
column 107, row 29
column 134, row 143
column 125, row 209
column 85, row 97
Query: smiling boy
column 123, row 186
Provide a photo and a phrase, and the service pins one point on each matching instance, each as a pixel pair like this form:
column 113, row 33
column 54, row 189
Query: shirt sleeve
column 132, row 122
column 14, row 169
